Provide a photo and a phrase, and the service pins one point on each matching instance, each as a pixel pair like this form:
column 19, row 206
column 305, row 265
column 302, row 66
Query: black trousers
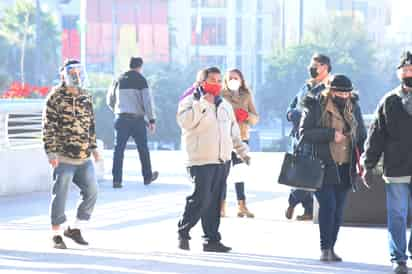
column 304, row 197
column 126, row 127
column 204, row 202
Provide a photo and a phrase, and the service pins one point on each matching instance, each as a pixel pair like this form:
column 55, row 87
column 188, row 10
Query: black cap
column 341, row 83
column 406, row 59
column 135, row 62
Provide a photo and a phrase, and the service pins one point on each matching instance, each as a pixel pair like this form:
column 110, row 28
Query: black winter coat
column 313, row 133
column 390, row 134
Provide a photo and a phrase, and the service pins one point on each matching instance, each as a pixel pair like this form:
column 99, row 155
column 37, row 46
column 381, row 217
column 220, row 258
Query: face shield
column 73, row 75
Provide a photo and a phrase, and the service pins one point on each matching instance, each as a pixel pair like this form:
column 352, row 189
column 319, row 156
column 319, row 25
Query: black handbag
column 302, row 170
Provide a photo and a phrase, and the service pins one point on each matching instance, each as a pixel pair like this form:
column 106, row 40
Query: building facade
column 226, row 33
column 399, row 31
column 374, row 14
column 118, row 29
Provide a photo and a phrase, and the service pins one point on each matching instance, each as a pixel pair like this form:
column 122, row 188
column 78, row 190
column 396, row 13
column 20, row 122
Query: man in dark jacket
column 391, row 135
column 130, row 100
column 319, row 69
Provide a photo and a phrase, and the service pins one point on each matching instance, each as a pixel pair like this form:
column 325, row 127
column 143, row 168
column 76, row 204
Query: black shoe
column 184, row 244
column 325, row 255
column 117, row 185
column 334, row 257
column 216, row 247
column 304, row 217
column 58, row 242
column 75, row 235
column 148, row 181
column 400, row 268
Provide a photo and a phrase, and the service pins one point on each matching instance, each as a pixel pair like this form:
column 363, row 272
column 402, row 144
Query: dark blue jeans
column 331, row 198
column 304, row 197
column 126, row 127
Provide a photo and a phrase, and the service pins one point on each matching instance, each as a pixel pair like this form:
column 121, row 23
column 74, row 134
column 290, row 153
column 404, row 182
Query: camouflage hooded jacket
column 68, row 124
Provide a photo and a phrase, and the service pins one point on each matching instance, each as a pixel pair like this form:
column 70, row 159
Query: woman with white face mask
column 236, row 92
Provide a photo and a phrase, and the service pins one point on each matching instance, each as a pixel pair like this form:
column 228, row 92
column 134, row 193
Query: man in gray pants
column 130, row 100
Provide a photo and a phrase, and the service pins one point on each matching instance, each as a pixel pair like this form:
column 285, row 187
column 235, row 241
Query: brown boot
column 289, row 212
column 223, row 209
column 243, row 210
column 305, row 217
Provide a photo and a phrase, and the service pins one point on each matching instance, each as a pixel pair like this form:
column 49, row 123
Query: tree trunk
column 23, row 48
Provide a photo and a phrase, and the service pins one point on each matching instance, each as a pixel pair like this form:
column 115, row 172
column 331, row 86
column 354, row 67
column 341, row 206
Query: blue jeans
column 331, row 198
column 81, row 175
column 397, row 203
column 136, row 128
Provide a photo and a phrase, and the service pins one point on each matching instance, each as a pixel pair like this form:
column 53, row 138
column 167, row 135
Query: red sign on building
column 118, row 29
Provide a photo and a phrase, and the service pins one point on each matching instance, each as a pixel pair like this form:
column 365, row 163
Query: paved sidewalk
column 134, row 230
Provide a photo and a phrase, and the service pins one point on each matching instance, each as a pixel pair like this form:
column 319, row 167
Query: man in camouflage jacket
column 69, row 140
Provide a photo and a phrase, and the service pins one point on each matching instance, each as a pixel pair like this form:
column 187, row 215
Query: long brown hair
column 243, row 85
column 347, row 113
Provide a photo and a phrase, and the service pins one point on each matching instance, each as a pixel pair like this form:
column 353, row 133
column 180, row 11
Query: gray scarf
column 406, row 98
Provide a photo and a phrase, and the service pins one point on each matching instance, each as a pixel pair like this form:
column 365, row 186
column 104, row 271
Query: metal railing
column 20, row 122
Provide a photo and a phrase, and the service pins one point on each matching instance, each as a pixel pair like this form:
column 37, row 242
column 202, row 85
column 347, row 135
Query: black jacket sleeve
column 310, row 130
column 374, row 144
column 293, row 112
column 361, row 130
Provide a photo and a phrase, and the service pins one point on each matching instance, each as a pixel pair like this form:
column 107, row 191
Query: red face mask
column 212, row 88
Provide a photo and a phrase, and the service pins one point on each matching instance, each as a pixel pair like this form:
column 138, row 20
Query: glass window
column 239, row 62
column 333, row 4
column 239, row 33
column 212, row 31
column 259, row 5
column 259, row 34
column 239, row 5
column 212, row 60
column 259, row 69
column 209, row 3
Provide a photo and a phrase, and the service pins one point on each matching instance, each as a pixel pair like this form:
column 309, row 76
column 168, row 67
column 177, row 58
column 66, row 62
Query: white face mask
column 233, row 84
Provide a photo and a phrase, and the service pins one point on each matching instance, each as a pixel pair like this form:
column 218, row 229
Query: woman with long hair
column 332, row 124
column 236, row 92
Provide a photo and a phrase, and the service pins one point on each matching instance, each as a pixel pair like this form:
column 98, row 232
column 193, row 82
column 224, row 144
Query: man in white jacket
column 209, row 134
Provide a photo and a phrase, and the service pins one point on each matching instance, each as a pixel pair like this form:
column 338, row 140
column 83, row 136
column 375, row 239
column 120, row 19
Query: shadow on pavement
column 113, row 261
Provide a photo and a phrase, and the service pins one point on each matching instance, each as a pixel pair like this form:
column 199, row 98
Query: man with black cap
column 333, row 125
column 319, row 70
column 391, row 135
column 130, row 99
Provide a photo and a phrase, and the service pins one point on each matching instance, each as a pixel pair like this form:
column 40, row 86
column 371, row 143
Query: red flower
column 18, row 90
column 44, row 90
